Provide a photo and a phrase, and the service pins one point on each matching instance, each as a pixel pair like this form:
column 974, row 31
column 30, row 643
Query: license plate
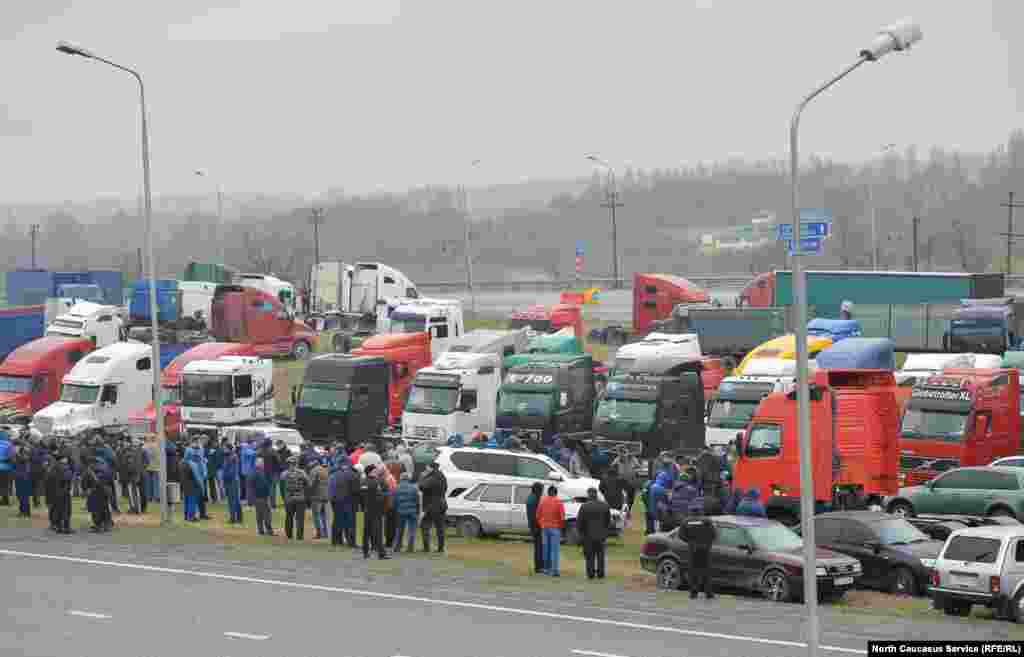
column 843, row 581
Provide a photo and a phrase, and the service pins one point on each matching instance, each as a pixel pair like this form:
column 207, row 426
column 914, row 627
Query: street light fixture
column 70, row 49
column 895, row 37
column 612, row 204
column 203, row 173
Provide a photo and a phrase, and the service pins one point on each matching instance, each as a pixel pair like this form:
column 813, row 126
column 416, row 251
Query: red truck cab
column 248, row 315
column 962, row 417
column 854, row 421
column 550, row 319
column 760, row 292
column 655, row 295
column 143, row 421
column 407, row 353
column 30, row 376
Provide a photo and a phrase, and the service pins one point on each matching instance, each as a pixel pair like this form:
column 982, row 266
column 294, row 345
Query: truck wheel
column 901, row 509
column 300, row 350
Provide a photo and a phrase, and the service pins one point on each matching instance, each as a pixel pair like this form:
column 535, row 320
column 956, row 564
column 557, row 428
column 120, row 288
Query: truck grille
column 427, row 432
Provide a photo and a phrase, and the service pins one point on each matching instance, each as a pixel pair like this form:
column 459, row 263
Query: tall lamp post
column 203, row 173
column 898, row 36
column 467, row 207
column 69, row 49
column 886, row 148
column 612, row 204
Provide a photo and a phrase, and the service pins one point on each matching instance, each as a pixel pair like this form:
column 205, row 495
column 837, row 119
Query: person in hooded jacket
column 683, row 494
column 23, row 482
column 229, row 478
column 434, row 486
column 751, row 505
column 407, row 507
column 656, row 501
column 343, row 489
column 319, row 476
column 700, row 533
column 7, row 453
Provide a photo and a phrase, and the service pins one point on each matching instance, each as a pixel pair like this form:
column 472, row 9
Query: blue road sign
column 808, row 246
column 579, row 249
column 815, row 226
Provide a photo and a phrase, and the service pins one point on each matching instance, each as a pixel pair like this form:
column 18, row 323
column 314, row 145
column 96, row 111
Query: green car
column 977, row 491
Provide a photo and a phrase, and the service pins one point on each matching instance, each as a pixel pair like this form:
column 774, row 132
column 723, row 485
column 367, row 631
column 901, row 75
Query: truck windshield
column 627, row 409
column 15, row 383
column 424, row 399
column 775, row 538
column 325, row 399
column 732, row 413
column 170, row 395
column 525, row 403
column 75, row 394
column 206, row 390
column 409, row 325
column 923, row 423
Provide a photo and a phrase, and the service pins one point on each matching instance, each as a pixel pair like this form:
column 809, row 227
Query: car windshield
column 206, row 390
column 325, row 399
column 922, row 423
column 525, row 403
column 170, row 395
column 409, row 325
column 775, row 538
column 626, row 409
column 732, row 413
column 899, row 532
column 428, row 399
column 76, row 394
column 15, row 383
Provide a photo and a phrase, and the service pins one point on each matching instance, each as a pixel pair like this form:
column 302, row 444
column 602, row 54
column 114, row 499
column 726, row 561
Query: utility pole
column 915, row 222
column 34, row 234
column 139, row 253
column 316, row 219
column 612, row 204
column 1010, row 205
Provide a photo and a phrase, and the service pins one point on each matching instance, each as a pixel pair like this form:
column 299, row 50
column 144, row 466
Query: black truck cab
column 343, row 397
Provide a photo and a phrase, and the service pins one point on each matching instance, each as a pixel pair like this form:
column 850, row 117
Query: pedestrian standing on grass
column 407, row 506
column 262, row 488
column 50, row 486
column 319, row 477
column 532, row 502
column 23, row 482
column 343, row 491
column 699, row 533
column 434, row 487
column 214, row 462
column 229, row 480
column 594, row 523
column 39, row 464
column 374, row 494
column 247, row 463
column 62, row 496
column 296, row 487
column 152, row 487
column 7, row 454
column 191, row 486
column 551, row 518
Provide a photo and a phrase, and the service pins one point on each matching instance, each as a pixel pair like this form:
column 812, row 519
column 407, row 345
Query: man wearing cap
column 434, row 487
column 296, row 488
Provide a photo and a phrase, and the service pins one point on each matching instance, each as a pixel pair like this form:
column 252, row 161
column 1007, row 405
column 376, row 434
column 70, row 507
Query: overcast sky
column 304, row 95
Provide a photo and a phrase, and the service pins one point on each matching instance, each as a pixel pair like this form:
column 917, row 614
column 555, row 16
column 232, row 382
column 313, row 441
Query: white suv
column 464, row 467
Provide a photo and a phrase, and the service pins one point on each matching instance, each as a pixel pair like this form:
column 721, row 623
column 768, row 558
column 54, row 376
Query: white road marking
column 445, row 603
column 591, row 653
column 242, row 635
column 89, row 614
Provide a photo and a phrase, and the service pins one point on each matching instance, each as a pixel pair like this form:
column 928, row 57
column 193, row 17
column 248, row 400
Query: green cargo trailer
column 826, row 290
column 209, row 272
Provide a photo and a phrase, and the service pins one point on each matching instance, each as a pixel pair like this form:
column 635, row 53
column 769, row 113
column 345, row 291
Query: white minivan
column 465, row 467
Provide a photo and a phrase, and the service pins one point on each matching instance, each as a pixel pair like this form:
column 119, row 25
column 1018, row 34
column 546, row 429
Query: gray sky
column 304, row 95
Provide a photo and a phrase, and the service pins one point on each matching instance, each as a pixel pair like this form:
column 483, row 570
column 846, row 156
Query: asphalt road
column 85, row 596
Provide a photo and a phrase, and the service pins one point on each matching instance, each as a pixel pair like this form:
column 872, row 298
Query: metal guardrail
column 712, row 281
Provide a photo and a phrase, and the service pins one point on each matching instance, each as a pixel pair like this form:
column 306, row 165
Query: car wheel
column 903, row 582
column 1016, row 610
column 470, row 528
column 956, row 608
column 1001, row 512
column 669, row 575
column 901, row 509
column 572, row 535
column 776, row 586
column 300, row 350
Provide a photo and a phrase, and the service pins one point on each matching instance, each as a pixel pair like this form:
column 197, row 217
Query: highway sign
column 815, row 227
column 808, row 246
column 579, row 249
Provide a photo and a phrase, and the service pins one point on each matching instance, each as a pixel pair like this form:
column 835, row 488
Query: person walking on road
column 532, row 502
column 296, row 488
column 594, row 523
column 434, row 487
column 407, row 506
column 229, row 480
column 262, row 488
column 319, row 477
column 374, row 492
column 551, row 518
column 699, row 533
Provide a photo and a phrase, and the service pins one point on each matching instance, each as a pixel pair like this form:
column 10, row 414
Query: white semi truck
column 452, row 396
column 228, row 391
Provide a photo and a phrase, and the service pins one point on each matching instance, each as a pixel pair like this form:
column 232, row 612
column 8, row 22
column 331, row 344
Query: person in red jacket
column 551, row 519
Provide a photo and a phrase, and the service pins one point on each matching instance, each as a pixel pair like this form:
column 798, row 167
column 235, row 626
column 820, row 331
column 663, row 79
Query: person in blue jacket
column 655, row 500
column 201, row 469
column 229, row 477
column 751, row 505
column 6, row 468
column 407, row 504
column 247, row 462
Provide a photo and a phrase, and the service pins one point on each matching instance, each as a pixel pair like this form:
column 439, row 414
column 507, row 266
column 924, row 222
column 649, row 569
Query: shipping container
column 18, row 326
column 112, row 282
column 168, row 301
column 209, row 272
column 28, row 287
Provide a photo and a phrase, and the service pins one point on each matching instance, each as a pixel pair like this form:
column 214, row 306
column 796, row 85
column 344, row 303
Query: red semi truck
column 655, row 295
column 143, row 421
column 30, row 376
column 248, row 315
column 407, row 353
column 550, row 319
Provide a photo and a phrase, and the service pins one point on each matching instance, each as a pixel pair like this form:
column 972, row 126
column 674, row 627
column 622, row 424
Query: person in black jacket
column 700, row 533
column 374, row 491
column 434, row 486
column 594, row 523
column 62, row 496
column 612, row 488
column 536, row 492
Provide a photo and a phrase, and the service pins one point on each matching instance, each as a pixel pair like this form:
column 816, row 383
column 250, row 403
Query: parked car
column 465, row 467
column 981, row 566
column 755, row 554
column 916, row 470
column 493, row 508
column 1009, row 462
column 896, row 556
column 940, row 527
column 982, row 491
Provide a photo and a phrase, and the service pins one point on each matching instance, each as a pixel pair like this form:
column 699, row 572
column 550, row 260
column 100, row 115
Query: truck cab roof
column 100, row 365
column 32, row 356
column 223, row 365
column 465, row 361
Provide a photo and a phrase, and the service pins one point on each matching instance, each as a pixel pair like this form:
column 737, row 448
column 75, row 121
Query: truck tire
column 300, row 350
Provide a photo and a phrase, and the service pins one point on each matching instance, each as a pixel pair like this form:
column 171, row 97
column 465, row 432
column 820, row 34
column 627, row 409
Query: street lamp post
column 467, row 207
column 611, row 204
column 202, row 173
column 898, row 36
column 69, row 49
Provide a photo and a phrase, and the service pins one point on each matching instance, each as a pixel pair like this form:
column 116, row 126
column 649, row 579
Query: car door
column 519, row 522
column 729, row 562
column 857, row 540
column 496, row 506
column 942, row 495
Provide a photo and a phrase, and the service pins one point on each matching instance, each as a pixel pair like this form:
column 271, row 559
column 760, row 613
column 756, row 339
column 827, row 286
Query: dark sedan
column 896, row 556
column 755, row 554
